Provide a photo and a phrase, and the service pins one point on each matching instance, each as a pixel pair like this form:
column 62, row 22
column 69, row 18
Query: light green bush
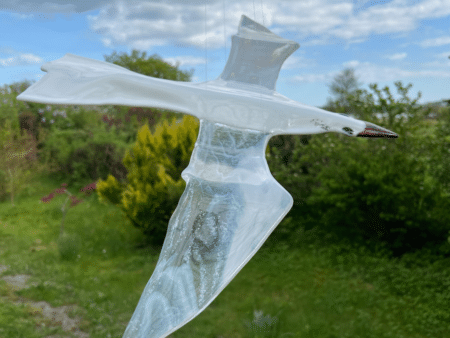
column 154, row 184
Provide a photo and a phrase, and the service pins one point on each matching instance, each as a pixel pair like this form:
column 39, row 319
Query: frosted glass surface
column 230, row 206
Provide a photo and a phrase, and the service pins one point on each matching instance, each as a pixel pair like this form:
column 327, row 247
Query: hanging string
column 254, row 11
column 224, row 32
column 206, row 51
column 262, row 12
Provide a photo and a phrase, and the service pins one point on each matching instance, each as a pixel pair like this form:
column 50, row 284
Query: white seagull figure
column 232, row 202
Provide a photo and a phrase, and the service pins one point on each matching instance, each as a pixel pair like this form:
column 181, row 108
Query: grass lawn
column 316, row 290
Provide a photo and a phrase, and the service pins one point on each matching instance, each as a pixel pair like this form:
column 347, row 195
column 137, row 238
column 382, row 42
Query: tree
column 152, row 66
column 344, row 84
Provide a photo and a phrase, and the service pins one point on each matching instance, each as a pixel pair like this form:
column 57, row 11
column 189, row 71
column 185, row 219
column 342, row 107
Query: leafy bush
column 88, row 153
column 154, row 184
column 369, row 189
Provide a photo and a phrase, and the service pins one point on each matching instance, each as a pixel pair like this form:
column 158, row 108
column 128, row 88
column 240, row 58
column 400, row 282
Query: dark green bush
column 84, row 151
column 369, row 189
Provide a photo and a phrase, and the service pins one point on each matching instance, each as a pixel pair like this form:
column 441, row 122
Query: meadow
column 322, row 288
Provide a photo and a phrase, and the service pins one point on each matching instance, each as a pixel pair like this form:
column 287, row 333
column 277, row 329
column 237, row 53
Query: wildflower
column 48, row 198
column 51, row 121
column 60, row 191
column 74, row 201
column 43, row 120
column 89, row 188
column 41, row 111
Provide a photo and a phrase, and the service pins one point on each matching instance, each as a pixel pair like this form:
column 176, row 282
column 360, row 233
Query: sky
column 384, row 41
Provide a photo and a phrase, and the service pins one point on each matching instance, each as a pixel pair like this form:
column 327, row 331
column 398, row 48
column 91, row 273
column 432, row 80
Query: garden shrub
column 81, row 154
column 369, row 189
column 154, row 184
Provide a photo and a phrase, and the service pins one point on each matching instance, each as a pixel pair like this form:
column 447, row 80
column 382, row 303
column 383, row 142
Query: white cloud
column 143, row 24
column 52, row 6
column 372, row 73
column 397, row 56
column 444, row 55
column 21, row 60
column 310, row 78
column 351, row 64
column 23, row 16
column 440, row 41
column 295, row 61
column 345, row 21
column 185, row 60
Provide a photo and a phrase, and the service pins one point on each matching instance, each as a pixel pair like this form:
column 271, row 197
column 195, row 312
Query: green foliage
column 154, row 184
column 18, row 162
column 369, row 189
column 344, row 84
column 3, row 185
column 86, row 150
column 129, row 119
column 152, row 66
column 439, row 150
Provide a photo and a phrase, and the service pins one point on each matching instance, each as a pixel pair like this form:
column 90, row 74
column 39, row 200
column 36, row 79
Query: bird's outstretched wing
column 78, row 80
column 82, row 81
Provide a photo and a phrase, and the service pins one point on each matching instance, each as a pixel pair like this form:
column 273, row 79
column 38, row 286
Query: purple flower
column 48, row 198
column 89, row 188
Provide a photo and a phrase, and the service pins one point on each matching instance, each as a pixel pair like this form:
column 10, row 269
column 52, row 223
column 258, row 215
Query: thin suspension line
column 224, row 32
column 206, row 51
column 254, row 11
column 262, row 12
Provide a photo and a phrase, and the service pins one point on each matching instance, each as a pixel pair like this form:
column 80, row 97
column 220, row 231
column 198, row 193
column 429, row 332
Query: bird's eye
column 348, row 130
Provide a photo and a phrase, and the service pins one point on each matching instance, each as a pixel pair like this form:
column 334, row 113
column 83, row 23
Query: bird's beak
column 372, row 130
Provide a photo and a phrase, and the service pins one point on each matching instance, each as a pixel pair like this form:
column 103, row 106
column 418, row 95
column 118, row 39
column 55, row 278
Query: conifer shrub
column 154, row 184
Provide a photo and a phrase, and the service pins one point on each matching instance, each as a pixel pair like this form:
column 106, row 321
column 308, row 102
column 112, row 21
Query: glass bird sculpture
column 231, row 203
